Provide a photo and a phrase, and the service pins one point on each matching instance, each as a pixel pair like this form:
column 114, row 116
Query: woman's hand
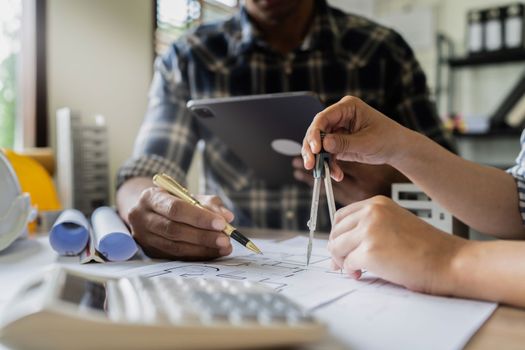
column 354, row 132
column 379, row 236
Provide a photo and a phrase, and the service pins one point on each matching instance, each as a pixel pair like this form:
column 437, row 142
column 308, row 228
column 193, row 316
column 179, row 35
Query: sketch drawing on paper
column 282, row 268
column 273, row 269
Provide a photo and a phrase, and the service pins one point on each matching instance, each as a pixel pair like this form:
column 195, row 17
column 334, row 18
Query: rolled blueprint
column 112, row 238
column 70, row 233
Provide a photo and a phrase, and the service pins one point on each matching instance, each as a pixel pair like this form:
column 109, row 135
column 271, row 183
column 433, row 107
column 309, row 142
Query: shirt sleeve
column 518, row 172
column 168, row 135
column 408, row 98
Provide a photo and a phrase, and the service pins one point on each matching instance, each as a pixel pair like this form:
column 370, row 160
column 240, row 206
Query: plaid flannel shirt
column 342, row 54
column 518, row 172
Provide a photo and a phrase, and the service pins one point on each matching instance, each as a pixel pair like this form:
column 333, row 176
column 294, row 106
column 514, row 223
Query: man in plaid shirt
column 268, row 47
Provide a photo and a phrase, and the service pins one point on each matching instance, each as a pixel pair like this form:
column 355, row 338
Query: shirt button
column 290, row 214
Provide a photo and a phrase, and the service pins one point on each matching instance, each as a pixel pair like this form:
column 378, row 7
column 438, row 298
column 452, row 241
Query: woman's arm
column 492, row 270
column 484, row 198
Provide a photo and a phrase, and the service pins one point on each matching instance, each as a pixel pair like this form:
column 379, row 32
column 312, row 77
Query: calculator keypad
column 207, row 301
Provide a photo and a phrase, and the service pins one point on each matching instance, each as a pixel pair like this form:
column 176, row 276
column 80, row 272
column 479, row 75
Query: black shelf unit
column 448, row 63
column 488, row 58
column 490, row 133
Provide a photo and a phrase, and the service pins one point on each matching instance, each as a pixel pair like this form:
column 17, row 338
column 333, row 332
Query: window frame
column 31, row 129
column 204, row 5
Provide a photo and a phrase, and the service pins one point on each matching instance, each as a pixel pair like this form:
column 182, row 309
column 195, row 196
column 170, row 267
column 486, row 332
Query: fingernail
column 223, row 242
column 307, row 156
column 312, row 145
column 218, row 224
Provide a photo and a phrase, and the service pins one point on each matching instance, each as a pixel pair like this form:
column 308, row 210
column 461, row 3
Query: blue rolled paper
column 70, row 233
column 112, row 238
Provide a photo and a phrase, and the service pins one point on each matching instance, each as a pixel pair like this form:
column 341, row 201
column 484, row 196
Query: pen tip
column 253, row 247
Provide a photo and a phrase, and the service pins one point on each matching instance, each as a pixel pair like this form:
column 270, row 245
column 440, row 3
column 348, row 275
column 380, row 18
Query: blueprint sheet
column 282, row 266
column 366, row 314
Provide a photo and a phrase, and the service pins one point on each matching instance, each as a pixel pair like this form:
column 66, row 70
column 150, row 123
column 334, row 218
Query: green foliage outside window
column 7, row 100
column 10, row 12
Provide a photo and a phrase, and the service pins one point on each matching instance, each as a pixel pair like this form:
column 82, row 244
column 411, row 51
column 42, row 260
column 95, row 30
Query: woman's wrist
column 405, row 148
column 462, row 268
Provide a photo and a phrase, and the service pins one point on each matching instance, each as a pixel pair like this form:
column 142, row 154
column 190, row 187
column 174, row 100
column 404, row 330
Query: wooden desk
column 505, row 329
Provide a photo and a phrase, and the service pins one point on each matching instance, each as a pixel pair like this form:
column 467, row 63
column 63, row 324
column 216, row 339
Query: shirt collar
column 322, row 34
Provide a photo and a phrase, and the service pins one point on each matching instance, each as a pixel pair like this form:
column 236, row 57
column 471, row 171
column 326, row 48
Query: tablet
column 264, row 131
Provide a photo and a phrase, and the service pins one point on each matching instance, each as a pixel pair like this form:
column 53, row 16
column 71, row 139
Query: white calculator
column 63, row 309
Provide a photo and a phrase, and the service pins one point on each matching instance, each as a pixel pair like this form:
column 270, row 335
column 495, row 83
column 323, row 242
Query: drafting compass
column 321, row 171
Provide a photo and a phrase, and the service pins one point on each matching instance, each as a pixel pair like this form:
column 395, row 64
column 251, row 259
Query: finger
column 338, row 116
column 339, row 143
column 297, row 163
column 211, row 200
column 216, row 205
column 335, row 170
column 177, row 210
column 164, row 248
column 334, row 266
column 300, row 175
column 347, row 224
column 308, row 148
column 352, row 264
column 228, row 215
column 177, row 231
column 343, row 245
column 222, row 211
column 346, row 211
column 353, row 270
column 313, row 139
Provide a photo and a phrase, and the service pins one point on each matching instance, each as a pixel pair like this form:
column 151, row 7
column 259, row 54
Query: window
column 10, row 25
column 174, row 17
column 23, row 95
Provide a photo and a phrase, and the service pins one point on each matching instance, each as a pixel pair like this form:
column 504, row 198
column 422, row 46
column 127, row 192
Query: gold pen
column 167, row 183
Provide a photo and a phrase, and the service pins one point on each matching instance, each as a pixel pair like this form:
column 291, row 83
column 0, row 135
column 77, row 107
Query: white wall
column 100, row 55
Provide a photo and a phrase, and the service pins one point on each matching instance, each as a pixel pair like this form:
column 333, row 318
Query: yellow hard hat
column 35, row 180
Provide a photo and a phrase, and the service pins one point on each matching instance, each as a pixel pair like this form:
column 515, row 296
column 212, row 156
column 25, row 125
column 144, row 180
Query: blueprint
column 282, row 267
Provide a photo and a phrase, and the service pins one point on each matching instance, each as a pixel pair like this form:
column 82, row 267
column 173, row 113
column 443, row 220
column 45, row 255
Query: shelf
column 488, row 58
column 514, row 133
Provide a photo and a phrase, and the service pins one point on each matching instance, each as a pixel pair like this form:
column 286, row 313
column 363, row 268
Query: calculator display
column 84, row 293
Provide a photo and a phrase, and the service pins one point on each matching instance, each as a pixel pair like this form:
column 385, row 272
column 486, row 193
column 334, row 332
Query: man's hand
column 360, row 181
column 379, row 236
column 167, row 227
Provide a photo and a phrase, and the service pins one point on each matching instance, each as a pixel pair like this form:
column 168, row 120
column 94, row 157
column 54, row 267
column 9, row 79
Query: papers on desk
column 365, row 314
column 281, row 267
column 384, row 316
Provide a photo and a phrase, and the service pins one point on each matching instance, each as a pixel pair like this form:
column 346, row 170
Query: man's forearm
column 484, row 198
column 129, row 193
column 490, row 271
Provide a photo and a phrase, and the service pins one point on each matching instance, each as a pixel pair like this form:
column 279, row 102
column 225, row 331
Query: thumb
column 340, row 143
